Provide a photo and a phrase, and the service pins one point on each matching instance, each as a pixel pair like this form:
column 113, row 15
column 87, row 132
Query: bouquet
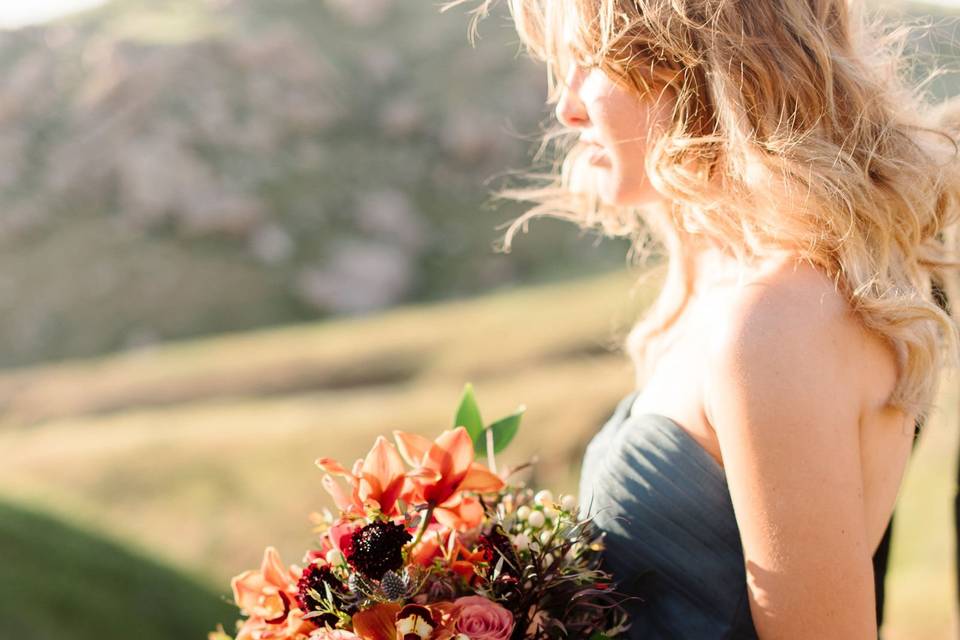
column 430, row 544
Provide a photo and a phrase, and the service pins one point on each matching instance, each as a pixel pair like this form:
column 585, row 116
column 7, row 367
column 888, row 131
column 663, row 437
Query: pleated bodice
column 671, row 534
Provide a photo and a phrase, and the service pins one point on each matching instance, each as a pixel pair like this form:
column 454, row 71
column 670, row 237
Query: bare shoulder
column 787, row 296
column 789, row 319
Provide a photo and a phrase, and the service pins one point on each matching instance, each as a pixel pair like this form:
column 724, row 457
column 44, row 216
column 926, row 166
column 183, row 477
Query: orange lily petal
column 357, row 470
column 340, row 497
column 412, row 447
column 451, row 455
column 242, row 592
column 427, row 549
column 480, row 479
column 465, row 515
column 428, row 475
column 383, row 470
column 332, row 466
column 377, row 623
column 452, row 451
column 274, row 571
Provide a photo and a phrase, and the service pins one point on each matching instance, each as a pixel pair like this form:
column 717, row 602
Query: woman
column 806, row 206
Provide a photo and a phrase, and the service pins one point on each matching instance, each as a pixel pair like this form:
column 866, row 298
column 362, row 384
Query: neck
column 708, row 261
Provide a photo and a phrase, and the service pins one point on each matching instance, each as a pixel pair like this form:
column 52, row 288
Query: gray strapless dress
column 672, row 541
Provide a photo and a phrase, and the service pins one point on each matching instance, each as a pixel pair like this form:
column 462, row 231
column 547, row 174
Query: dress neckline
column 678, row 428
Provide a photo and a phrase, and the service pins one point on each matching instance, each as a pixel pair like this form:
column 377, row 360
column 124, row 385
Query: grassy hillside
column 58, row 581
column 202, row 452
column 216, row 430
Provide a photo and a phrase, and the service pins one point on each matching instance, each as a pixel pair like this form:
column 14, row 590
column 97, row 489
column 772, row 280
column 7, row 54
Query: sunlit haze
column 18, row 14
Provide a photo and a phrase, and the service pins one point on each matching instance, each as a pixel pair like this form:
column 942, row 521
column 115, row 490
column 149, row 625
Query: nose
column 571, row 111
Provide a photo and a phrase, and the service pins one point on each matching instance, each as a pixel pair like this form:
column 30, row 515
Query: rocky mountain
column 170, row 168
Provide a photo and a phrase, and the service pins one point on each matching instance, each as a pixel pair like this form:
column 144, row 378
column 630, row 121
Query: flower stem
column 423, row 526
column 491, row 460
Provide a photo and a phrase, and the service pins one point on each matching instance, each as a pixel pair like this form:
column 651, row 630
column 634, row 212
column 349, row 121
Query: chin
column 618, row 192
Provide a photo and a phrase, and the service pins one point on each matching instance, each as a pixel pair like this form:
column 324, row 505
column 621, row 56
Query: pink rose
column 481, row 619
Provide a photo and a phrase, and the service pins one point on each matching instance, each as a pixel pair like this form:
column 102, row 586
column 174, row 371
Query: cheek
column 625, row 182
column 632, row 123
column 625, row 123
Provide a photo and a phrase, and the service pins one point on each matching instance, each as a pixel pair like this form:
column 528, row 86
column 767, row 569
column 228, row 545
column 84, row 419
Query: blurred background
column 236, row 235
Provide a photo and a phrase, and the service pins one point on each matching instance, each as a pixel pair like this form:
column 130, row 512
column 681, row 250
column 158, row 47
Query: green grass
column 216, row 431
column 202, row 452
column 58, row 581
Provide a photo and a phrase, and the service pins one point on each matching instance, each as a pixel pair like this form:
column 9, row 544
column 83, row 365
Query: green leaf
column 503, row 431
column 600, row 636
column 468, row 414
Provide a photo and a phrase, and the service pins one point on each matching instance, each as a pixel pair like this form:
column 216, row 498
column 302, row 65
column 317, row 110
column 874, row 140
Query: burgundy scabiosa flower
column 314, row 581
column 378, row 548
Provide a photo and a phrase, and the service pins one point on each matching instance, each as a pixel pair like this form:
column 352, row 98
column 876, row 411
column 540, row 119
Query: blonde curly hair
column 795, row 128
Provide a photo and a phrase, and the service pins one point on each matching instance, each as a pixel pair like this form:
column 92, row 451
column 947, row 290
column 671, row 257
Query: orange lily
column 293, row 628
column 464, row 562
column 429, row 547
column 462, row 514
column 440, row 542
column 268, row 597
column 266, row 593
column 376, row 481
column 444, row 468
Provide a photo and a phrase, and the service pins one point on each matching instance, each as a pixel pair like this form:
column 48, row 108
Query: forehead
column 570, row 36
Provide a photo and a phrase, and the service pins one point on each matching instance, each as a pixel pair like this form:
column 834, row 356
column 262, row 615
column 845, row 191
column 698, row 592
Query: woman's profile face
column 615, row 122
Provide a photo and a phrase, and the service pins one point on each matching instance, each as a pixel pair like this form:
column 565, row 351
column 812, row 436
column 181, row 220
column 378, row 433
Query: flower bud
column 536, row 519
column 521, row 541
column 523, row 513
column 544, row 498
column 568, row 503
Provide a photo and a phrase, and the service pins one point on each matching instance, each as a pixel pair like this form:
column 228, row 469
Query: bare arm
column 784, row 397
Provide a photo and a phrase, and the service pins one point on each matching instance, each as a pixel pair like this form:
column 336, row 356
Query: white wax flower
column 544, row 498
column 521, row 541
column 536, row 519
